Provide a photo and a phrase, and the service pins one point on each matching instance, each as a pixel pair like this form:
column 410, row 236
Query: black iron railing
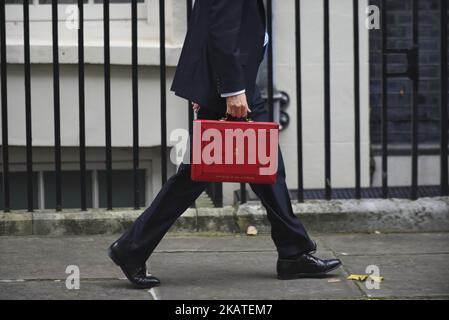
column 215, row 190
column 443, row 99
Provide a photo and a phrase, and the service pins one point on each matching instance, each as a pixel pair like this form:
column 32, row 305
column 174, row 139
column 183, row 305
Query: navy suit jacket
column 222, row 51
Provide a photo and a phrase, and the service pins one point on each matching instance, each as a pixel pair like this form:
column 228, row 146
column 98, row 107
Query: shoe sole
column 305, row 275
column 114, row 259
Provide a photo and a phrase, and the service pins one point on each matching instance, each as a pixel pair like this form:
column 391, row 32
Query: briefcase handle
column 229, row 117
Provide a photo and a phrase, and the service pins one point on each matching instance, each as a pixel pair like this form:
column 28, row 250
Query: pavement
column 414, row 266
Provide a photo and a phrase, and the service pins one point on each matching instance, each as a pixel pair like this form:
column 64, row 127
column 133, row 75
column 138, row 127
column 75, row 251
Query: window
column 70, row 189
column 40, row 10
column 44, row 189
column 122, row 188
column 18, row 190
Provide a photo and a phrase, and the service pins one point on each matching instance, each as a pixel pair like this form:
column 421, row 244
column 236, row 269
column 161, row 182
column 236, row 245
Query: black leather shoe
column 306, row 266
column 136, row 273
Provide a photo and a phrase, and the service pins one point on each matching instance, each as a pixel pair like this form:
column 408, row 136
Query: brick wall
column 399, row 21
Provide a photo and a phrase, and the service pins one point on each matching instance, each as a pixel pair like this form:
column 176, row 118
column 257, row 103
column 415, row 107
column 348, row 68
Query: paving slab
column 197, row 276
column 241, row 276
column 386, row 244
column 89, row 290
column 48, row 257
column 425, row 275
column 28, row 257
column 415, row 266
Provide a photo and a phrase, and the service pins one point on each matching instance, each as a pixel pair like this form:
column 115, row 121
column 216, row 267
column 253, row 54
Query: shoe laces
column 312, row 258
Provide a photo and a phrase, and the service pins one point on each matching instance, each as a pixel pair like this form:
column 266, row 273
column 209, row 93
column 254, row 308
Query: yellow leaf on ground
column 364, row 277
column 358, row 277
column 376, row 278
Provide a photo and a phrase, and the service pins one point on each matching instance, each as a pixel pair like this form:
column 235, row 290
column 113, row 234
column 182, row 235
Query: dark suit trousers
column 179, row 192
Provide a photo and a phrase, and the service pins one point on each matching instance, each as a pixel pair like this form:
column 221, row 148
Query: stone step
column 320, row 216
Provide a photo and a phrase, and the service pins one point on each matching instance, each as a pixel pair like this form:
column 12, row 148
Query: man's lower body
column 290, row 237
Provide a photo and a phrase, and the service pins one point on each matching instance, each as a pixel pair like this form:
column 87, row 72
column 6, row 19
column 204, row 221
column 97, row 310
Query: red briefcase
column 235, row 151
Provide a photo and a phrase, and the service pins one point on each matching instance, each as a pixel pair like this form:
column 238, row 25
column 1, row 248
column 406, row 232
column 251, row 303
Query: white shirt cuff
column 231, row 94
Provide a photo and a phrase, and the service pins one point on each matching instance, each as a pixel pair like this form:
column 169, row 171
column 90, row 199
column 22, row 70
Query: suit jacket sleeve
column 223, row 44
